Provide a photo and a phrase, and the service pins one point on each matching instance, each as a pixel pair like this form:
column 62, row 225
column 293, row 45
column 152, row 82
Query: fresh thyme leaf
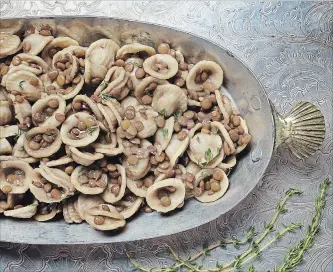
column 208, row 155
column 295, row 254
column 294, row 257
column 21, row 148
column 19, row 133
column 162, row 112
column 250, row 268
column 177, row 115
column 198, row 140
column 20, row 84
column 104, row 84
column 214, row 130
column 90, row 130
column 106, row 96
column 165, row 132
column 135, row 63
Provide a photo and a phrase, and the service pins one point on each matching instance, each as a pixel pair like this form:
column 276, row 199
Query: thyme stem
column 293, row 258
column 295, row 254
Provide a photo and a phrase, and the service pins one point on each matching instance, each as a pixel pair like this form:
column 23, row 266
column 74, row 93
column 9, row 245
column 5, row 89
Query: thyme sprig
column 106, row 96
column 90, row 130
column 165, row 132
column 293, row 258
column 295, row 254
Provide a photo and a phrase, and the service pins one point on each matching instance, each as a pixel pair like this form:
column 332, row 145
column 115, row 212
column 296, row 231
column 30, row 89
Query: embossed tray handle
column 303, row 129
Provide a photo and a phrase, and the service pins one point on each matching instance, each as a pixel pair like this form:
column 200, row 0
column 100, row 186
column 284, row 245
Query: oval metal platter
column 248, row 95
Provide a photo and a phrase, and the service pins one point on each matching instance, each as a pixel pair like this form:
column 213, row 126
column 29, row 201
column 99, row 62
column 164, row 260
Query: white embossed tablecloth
column 288, row 44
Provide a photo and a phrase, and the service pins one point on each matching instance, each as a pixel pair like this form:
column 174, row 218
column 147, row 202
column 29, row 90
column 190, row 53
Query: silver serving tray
column 248, row 95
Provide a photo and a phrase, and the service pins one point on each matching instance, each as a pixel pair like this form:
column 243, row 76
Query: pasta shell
column 41, row 104
column 24, row 212
column 111, row 197
column 5, row 147
column 169, row 99
column 24, row 178
column 56, row 44
column 216, row 76
column 6, row 114
column 99, row 58
column 20, row 83
column 85, row 187
column 37, row 43
column 112, row 218
column 92, row 131
column 9, row 44
column 161, row 66
column 176, row 197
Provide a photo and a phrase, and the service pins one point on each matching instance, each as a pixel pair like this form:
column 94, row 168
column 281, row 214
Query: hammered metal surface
column 289, row 46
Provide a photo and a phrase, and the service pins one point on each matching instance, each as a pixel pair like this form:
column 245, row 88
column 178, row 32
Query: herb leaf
column 198, row 140
column 165, row 132
column 177, row 115
column 20, row 84
column 106, row 96
column 208, row 155
column 90, row 130
column 162, row 112
column 104, row 84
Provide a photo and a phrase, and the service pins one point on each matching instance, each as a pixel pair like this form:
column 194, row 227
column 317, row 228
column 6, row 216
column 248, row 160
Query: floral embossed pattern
column 288, row 44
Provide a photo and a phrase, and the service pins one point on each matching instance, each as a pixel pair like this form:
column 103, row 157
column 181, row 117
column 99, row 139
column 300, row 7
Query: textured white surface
column 289, row 47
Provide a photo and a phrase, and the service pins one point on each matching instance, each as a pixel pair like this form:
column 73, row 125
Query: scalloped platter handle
column 303, row 129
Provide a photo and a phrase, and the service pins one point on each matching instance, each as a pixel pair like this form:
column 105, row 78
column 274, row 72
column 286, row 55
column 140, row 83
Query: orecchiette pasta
column 98, row 132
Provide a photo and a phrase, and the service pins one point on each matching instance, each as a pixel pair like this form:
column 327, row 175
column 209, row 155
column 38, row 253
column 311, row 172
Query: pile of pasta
column 99, row 133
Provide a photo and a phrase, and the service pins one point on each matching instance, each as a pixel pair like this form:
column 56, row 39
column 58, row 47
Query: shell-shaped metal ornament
column 303, row 129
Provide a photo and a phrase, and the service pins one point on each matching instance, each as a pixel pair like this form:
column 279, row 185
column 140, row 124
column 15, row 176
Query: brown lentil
column 19, row 99
column 60, row 80
column 16, row 61
column 69, row 170
column 160, row 158
column 163, row 48
column 148, row 181
column 59, row 117
column 166, row 201
column 182, row 135
column 140, row 73
column 215, row 187
column 115, row 189
column 146, row 99
column 26, row 46
column 160, row 121
column 189, row 114
column 111, row 167
column 182, row 121
column 179, row 82
column 234, row 136
column 81, row 126
column 4, row 70
column 207, row 186
column 218, row 175
column 183, row 66
column 99, row 220
column 7, row 189
column 132, row 160
column 130, row 112
column 206, row 104
column 129, row 67
column 55, row 194
column 246, row 138
column 120, row 63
